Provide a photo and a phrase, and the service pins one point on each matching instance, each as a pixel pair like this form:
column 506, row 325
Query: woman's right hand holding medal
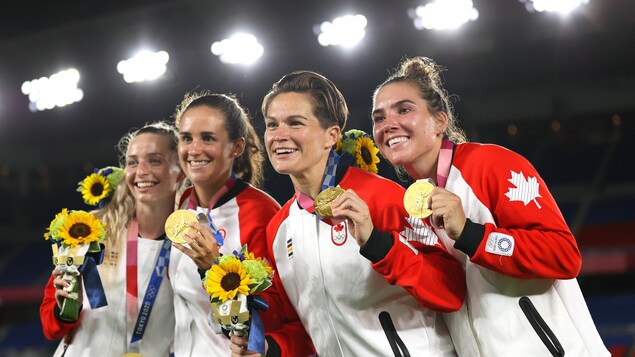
column 447, row 212
column 424, row 199
column 203, row 247
column 348, row 205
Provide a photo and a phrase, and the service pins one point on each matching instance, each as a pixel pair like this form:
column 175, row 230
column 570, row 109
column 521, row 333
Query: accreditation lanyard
column 217, row 196
column 132, row 309
column 444, row 162
column 305, row 201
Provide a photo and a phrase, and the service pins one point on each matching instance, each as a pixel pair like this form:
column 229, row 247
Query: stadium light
column 443, row 14
column 241, row 48
column 346, row 31
column 144, row 66
column 58, row 90
column 560, row 6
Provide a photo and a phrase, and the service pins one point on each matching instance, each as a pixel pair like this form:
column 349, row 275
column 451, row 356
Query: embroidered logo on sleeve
column 501, row 244
column 526, row 190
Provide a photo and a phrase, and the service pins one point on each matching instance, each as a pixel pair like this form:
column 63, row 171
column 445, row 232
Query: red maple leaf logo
column 339, row 227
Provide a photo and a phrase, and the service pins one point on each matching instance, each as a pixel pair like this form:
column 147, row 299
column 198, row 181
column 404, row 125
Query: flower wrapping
column 231, row 283
column 361, row 147
column 77, row 236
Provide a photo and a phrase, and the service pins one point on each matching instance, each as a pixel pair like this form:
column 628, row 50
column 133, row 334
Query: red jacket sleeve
column 539, row 242
column 411, row 256
column 428, row 272
column 52, row 327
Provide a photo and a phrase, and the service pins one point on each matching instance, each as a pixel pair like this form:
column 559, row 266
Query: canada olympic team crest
column 339, row 232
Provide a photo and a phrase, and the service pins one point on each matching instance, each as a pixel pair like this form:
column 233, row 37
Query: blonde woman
column 135, row 251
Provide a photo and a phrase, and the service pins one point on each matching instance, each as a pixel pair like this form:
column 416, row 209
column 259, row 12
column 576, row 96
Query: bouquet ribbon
column 94, row 289
column 256, row 328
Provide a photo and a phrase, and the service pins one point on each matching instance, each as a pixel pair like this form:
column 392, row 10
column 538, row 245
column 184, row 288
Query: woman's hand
column 447, row 212
column 348, row 205
column 239, row 347
column 203, row 247
column 59, row 283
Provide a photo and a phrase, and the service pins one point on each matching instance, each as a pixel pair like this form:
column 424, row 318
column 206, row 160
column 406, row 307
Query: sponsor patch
column 501, row 244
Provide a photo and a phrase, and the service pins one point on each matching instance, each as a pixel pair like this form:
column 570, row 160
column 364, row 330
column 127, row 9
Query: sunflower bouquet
column 77, row 236
column 230, row 282
column 361, row 147
column 97, row 188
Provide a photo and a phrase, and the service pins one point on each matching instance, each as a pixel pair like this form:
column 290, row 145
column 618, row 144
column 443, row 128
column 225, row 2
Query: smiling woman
column 221, row 155
column 377, row 290
column 134, row 251
column 495, row 214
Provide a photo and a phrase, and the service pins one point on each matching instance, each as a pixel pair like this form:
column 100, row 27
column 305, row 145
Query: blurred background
column 556, row 86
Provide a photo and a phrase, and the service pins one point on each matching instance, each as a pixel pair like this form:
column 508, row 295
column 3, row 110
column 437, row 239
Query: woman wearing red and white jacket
column 135, row 248
column 221, row 155
column 367, row 282
column 496, row 215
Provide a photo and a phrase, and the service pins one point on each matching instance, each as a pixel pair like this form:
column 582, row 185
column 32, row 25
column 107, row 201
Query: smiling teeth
column 145, row 184
column 398, row 140
column 284, row 151
column 198, row 163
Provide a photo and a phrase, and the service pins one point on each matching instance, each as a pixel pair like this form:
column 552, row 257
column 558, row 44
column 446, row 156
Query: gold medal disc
column 323, row 200
column 178, row 223
column 416, row 197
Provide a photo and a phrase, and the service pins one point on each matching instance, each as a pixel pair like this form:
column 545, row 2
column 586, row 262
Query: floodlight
column 443, row 14
column 346, row 31
column 58, row 90
column 144, row 66
column 241, row 48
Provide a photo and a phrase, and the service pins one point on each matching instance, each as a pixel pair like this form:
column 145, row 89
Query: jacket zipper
column 396, row 344
column 540, row 326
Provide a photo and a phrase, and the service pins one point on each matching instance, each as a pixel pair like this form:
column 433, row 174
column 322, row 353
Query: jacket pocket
column 396, row 344
column 540, row 326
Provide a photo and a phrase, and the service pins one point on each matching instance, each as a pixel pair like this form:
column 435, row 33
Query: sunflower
column 79, row 228
column 366, row 154
column 94, row 188
column 225, row 279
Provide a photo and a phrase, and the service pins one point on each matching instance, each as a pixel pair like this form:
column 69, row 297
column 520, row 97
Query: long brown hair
column 425, row 75
column 247, row 166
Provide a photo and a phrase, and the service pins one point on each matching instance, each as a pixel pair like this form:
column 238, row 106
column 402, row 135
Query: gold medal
column 323, row 200
column 178, row 223
column 132, row 354
column 415, row 200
